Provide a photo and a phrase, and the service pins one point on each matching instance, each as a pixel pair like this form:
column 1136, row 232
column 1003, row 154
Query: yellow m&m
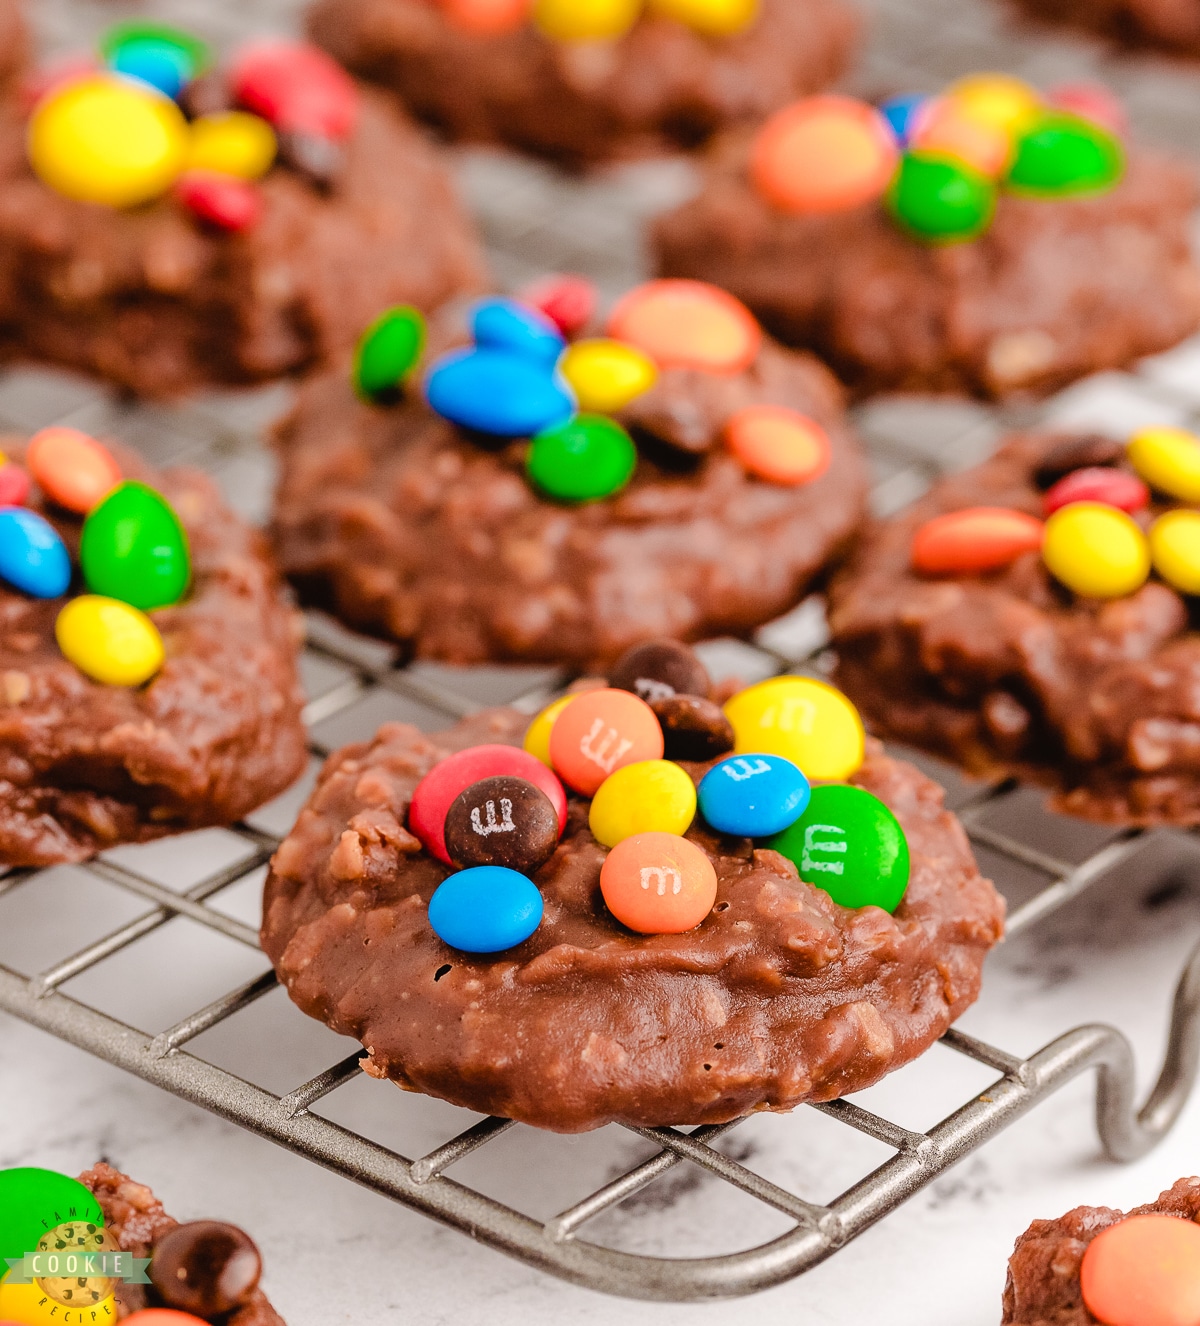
column 586, row 20
column 653, row 796
column 804, row 720
column 716, row 18
column 1096, row 550
column 109, row 641
column 1175, row 549
column 998, row 100
column 1169, row 460
column 537, row 737
column 232, row 143
column 607, row 375
column 108, row 140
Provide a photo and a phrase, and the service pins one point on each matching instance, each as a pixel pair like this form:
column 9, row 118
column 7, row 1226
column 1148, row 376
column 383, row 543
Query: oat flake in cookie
column 989, row 240
column 1098, row 1267
column 147, row 654
column 587, row 83
column 733, row 985
column 167, row 224
column 540, row 495
column 1035, row 616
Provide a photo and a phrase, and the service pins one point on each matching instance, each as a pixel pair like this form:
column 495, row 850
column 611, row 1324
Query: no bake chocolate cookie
column 85, row 765
column 1170, row 25
column 661, row 86
column 777, row 997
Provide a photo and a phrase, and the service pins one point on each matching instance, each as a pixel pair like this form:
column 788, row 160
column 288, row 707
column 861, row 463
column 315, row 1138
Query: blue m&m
column 753, row 796
column 498, row 392
column 33, row 558
column 504, row 324
column 903, row 114
column 486, row 909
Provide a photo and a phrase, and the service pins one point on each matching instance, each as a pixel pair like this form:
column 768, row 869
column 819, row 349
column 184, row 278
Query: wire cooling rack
column 357, row 682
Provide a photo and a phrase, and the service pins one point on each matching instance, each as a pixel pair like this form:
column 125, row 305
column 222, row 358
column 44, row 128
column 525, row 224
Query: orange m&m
column 600, row 732
column 948, row 127
column 778, row 444
column 487, row 18
column 824, row 154
column 71, row 468
column 164, row 1317
column 1144, row 1271
column 658, row 884
column 979, row 538
column 688, row 324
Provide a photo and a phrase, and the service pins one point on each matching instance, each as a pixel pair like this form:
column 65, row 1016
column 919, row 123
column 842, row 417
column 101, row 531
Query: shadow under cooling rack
column 353, row 686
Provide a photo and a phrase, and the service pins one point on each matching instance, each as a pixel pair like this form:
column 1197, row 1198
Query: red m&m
column 1098, row 483
column 979, row 538
column 222, row 200
column 14, row 483
column 568, row 301
column 600, row 732
column 296, row 87
column 440, row 787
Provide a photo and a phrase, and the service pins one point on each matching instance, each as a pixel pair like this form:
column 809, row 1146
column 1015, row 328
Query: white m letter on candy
column 505, row 824
column 604, row 755
column 661, row 876
column 830, row 845
column 740, row 770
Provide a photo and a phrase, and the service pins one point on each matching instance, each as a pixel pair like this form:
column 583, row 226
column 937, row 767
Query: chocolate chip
column 205, row 1267
column 502, row 821
column 320, row 160
column 1076, row 453
column 693, row 728
column 659, row 669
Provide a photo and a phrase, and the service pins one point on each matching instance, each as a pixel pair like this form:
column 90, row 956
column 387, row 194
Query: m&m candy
column 1091, row 101
column 486, row 18
column 505, row 324
column 1096, row 551
column 33, row 1200
column 606, row 375
column 1062, row 154
column 1143, row 1271
column 586, row 20
column 582, row 460
column 693, row 728
column 1169, row 460
column 33, row 558
column 600, row 732
column 659, row 669
column 650, row 796
column 658, row 884
column 904, row 114
column 435, row 793
column 1175, row 549
column 133, row 548
column 1097, row 484
column 193, row 55
column 223, row 201
column 753, row 796
column 537, row 737
column 206, row 1266
column 71, row 468
column 387, row 352
column 849, row 843
column 949, row 129
column 715, row 18
column 999, row 100
column 941, row 200
column 978, row 538
column 163, row 1317
column 14, row 483
column 485, row 909
column 806, row 721
column 688, row 324
column 568, row 301
column 232, row 143
column 497, row 392
column 823, row 154
column 297, row 87
column 104, row 139
column 109, row 641
column 502, row 821
column 778, row 444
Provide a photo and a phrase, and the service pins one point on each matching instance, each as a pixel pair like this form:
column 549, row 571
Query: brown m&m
column 693, row 728
column 502, row 821
column 660, row 669
column 206, row 1267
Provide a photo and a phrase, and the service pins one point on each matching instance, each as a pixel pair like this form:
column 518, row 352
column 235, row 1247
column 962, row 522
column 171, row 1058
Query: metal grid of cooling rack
column 354, row 676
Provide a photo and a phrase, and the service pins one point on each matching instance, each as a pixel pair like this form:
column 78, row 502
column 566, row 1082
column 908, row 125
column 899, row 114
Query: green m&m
column 33, row 1201
column 583, row 460
column 939, row 199
column 133, row 548
column 1062, row 155
column 387, row 352
column 850, row 844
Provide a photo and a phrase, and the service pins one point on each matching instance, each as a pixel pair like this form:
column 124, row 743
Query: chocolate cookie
column 1171, row 25
column 206, row 1268
column 1007, row 669
column 662, row 86
column 778, row 996
column 409, row 525
column 1044, row 1272
column 216, row 731
column 210, row 278
column 14, row 40
column 1033, row 292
